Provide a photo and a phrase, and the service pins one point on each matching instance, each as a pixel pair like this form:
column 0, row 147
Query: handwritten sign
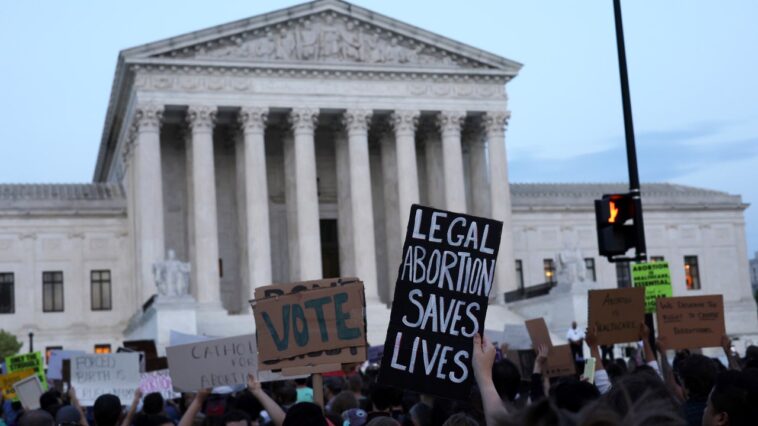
column 94, row 375
column 55, row 363
column 157, row 382
column 443, row 285
column 25, row 361
column 28, row 391
column 655, row 278
column 617, row 314
column 325, row 325
column 538, row 332
column 691, row 322
column 8, row 380
column 560, row 362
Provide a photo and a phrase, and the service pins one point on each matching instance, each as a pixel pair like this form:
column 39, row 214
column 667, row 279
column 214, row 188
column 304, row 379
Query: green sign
column 25, row 361
column 655, row 277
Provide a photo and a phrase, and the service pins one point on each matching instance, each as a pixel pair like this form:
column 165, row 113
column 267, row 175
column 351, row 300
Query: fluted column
column 500, row 196
column 304, row 226
column 361, row 206
column 404, row 123
column 258, row 234
column 450, row 123
column 478, row 173
column 148, row 194
column 204, row 223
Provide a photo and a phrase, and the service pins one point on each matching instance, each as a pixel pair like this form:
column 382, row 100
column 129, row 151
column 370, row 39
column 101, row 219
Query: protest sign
column 28, row 391
column 215, row 363
column 159, row 382
column 517, row 337
column 560, row 362
column 335, row 351
column 441, row 296
column 692, row 321
column 29, row 360
column 538, row 332
column 617, row 314
column 7, row 380
column 55, row 363
column 176, row 338
column 94, row 375
column 655, row 278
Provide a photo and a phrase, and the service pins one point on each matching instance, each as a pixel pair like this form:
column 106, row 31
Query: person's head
column 152, row 403
column 460, row 419
column 285, row 393
column 421, row 414
column 248, row 403
column 385, row 397
column 751, row 352
column 573, row 324
column 344, row 401
column 333, row 386
column 697, row 373
column 107, row 410
column 572, row 395
column 355, row 383
column 36, row 418
column 732, row 400
column 301, row 382
column 68, row 415
column 304, row 413
column 50, row 399
column 615, row 371
column 507, row 379
column 629, row 393
column 236, row 418
column 354, row 417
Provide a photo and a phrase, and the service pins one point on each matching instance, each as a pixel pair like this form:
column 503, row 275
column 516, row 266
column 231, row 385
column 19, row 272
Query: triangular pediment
column 324, row 32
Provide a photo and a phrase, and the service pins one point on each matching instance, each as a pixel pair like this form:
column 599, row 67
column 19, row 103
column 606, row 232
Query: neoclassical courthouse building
column 290, row 146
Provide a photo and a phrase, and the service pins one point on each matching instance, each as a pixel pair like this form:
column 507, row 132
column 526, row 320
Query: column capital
column 405, row 121
column 495, row 121
column 357, row 120
column 303, row 119
column 451, row 121
column 253, row 119
column 201, row 117
column 147, row 116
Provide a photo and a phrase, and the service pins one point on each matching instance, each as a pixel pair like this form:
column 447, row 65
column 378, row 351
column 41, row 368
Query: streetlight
column 31, row 342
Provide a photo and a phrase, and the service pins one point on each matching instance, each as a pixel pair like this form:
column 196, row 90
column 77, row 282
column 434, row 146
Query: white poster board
column 55, row 363
column 158, row 381
column 216, row 363
column 28, row 391
column 94, row 375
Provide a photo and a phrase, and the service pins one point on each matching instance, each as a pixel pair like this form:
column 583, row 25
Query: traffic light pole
column 631, row 151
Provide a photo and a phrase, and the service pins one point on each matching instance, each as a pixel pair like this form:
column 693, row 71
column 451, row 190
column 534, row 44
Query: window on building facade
column 589, row 264
column 519, row 273
column 657, row 258
column 623, row 275
column 7, row 297
column 691, row 273
column 104, row 348
column 52, row 291
column 100, row 290
column 549, row 267
column 49, row 350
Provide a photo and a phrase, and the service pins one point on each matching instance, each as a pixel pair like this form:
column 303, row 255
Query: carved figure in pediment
column 351, row 38
column 265, row 46
column 308, row 41
column 285, row 45
column 330, row 40
column 374, row 51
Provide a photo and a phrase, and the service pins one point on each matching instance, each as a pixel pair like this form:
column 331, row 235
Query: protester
column 575, row 337
column 304, row 392
column 107, row 410
column 36, row 418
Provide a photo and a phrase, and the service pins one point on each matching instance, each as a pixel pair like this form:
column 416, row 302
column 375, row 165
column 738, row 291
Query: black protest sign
column 443, row 285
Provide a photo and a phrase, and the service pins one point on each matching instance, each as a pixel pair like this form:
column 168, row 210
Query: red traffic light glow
column 614, row 212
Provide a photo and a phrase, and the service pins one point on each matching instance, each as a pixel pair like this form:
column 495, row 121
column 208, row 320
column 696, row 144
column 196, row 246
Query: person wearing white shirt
column 575, row 337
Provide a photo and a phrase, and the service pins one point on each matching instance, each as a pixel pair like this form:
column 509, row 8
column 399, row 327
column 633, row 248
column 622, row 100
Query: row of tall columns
column 354, row 191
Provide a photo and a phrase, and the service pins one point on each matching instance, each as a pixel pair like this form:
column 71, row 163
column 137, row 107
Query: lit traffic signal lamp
column 614, row 235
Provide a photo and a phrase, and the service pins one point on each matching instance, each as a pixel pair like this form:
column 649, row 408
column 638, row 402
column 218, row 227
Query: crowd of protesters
column 645, row 389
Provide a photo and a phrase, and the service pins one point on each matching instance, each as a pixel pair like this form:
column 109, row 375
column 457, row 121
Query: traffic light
column 614, row 235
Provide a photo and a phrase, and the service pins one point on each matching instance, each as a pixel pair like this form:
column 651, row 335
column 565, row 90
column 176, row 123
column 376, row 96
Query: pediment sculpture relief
column 326, row 37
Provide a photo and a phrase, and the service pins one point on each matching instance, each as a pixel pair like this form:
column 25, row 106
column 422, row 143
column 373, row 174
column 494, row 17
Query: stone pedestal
column 157, row 321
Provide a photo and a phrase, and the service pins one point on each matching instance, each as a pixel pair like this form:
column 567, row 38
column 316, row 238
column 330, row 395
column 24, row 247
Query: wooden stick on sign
column 318, row 390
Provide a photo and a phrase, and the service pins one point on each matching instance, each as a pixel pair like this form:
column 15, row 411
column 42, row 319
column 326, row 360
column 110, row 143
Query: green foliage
column 9, row 344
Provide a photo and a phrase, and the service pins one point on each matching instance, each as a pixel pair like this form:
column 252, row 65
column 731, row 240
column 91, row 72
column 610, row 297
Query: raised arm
column 484, row 357
column 133, row 408
column 75, row 403
column 195, row 406
column 602, row 381
column 273, row 409
column 726, row 344
column 538, row 389
column 667, row 371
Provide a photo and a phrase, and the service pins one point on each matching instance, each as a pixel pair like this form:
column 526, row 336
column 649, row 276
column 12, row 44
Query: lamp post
column 31, row 342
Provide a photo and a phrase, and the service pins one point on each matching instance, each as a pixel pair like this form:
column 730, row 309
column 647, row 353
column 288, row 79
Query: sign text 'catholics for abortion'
column 443, row 286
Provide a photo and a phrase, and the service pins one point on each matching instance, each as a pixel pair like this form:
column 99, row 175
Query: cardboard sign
column 25, row 361
column 28, row 391
column 94, row 375
column 444, row 281
column 538, row 333
column 215, row 363
column 157, row 382
column 9, row 379
column 55, row 363
column 517, row 337
column 617, row 314
column 317, row 360
column 655, row 278
column 560, row 362
column 691, row 322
